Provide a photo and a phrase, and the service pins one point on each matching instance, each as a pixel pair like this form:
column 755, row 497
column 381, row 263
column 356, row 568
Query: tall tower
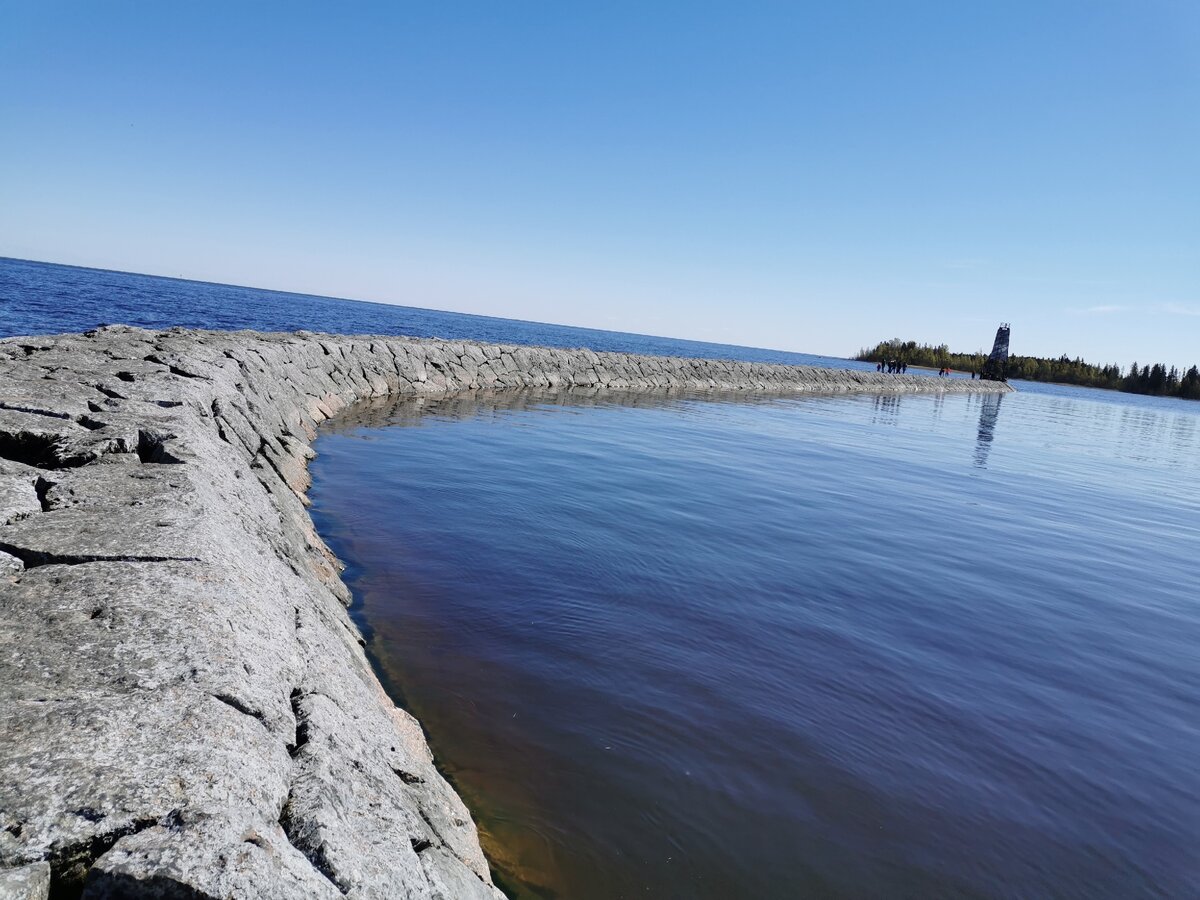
column 995, row 369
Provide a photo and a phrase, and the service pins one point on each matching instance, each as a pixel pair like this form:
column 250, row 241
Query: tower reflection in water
column 989, row 412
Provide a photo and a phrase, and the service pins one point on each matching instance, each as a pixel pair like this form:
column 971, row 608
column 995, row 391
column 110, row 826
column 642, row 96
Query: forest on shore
column 1154, row 379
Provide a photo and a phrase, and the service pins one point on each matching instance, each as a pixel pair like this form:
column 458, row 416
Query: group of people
column 945, row 371
column 896, row 367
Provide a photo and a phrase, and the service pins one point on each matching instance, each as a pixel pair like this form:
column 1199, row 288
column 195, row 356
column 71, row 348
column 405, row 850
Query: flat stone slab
column 185, row 704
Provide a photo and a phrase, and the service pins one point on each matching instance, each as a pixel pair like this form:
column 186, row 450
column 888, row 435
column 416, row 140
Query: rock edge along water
column 186, row 708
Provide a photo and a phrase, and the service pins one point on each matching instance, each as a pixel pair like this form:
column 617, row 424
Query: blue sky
column 812, row 177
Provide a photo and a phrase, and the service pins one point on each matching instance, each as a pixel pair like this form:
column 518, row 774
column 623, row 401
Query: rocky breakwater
column 186, row 708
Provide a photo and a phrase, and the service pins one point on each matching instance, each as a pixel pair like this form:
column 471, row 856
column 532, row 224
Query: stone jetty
column 186, row 708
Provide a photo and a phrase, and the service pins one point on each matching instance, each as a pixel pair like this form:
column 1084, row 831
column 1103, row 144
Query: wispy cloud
column 1178, row 309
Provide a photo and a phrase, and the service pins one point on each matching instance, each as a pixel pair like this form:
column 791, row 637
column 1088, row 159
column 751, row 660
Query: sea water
column 756, row 646
column 841, row 646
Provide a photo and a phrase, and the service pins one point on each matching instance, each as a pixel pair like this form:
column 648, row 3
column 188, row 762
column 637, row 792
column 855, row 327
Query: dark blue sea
column 42, row 298
column 843, row 646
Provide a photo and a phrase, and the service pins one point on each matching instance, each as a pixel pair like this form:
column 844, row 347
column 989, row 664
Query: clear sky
column 801, row 176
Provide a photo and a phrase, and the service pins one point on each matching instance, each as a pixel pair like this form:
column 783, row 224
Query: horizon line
column 251, row 287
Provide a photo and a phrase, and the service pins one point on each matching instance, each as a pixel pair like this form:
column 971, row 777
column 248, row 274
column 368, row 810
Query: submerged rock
column 186, row 706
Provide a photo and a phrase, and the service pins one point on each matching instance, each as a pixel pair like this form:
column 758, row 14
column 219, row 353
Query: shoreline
column 186, row 701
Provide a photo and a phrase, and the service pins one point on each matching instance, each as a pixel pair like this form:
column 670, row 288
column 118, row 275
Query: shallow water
column 681, row 647
column 851, row 646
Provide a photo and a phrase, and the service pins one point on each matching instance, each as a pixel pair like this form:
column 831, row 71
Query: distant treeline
column 1155, row 379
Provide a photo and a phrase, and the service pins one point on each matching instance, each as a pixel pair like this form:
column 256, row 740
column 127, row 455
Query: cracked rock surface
column 186, row 709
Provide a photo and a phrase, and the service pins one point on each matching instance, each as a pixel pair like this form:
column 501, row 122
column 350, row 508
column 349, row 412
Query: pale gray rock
column 31, row 882
column 18, row 497
column 189, row 854
column 10, row 566
column 185, row 704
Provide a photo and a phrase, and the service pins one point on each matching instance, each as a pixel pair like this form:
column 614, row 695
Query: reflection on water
column 409, row 412
column 989, row 411
column 887, row 409
column 827, row 646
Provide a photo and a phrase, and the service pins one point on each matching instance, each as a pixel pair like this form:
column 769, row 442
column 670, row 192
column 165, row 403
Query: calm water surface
column 853, row 646
column 682, row 647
